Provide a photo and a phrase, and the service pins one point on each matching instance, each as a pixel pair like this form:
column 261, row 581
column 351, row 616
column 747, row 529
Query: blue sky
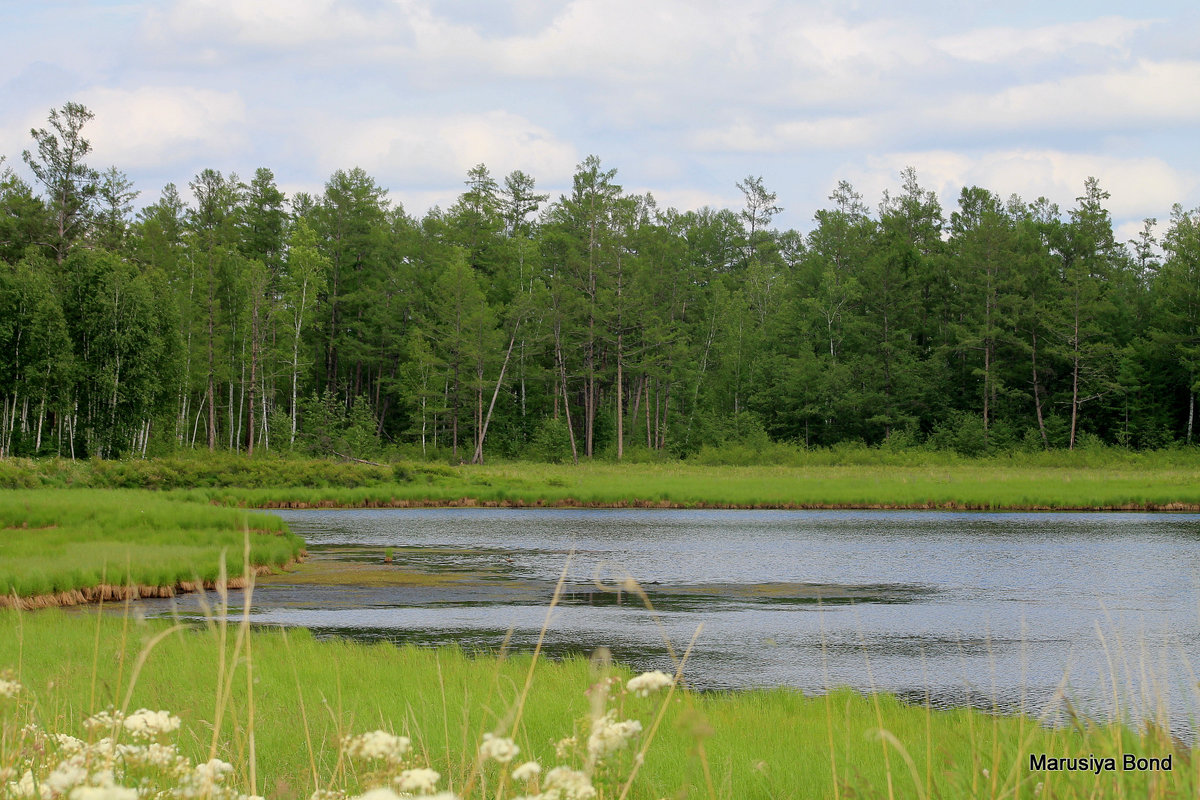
column 683, row 98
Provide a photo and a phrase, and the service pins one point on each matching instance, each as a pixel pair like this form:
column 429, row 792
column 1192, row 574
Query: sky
column 684, row 99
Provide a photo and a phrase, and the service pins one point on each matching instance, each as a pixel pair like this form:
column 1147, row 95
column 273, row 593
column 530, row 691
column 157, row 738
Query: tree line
column 595, row 324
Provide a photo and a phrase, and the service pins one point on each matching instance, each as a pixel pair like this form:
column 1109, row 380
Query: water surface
column 958, row 608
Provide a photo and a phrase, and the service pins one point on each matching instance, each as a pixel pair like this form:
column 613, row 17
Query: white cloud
column 830, row 133
column 160, row 125
column 1163, row 93
column 1149, row 91
column 440, row 149
column 1000, row 44
column 149, row 127
column 1140, row 187
column 269, row 23
column 682, row 198
column 651, row 56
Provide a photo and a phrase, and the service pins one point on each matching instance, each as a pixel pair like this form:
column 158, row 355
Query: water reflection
column 975, row 608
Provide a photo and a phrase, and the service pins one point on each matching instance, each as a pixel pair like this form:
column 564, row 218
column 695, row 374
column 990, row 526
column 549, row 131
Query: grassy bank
column 1168, row 480
column 307, row 694
column 66, row 547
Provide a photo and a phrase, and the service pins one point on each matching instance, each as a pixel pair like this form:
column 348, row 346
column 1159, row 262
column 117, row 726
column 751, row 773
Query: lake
column 984, row 609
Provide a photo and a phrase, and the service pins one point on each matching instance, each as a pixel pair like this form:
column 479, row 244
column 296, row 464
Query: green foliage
column 550, row 443
column 328, row 427
column 640, row 324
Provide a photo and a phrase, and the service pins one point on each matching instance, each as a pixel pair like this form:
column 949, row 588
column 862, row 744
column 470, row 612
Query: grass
column 762, row 744
column 963, row 486
column 55, row 541
column 849, row 477
column 306, row 694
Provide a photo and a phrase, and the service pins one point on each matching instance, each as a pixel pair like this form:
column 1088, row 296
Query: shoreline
column 120, row 593
column 570, row 502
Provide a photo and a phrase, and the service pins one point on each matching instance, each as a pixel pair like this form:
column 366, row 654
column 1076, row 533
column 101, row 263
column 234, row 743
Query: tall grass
column 307, row 694
column 57, row 541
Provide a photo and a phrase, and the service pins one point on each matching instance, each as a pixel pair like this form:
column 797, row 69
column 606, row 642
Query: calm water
column 965, row 608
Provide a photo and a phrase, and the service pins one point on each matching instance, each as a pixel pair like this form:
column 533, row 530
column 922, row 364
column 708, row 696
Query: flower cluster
column 564, row 783
column 527, row 772
column 61, row 767
column 145, row 766
column 649, row 682
column 147, row 724
column 377, row 746
column 610, row 735
column 418, row 781
column 498, row 749
column 386, row 794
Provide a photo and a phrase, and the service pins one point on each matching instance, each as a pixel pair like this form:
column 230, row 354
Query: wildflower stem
column 248, row 572
column 640, row 758
column 312, row 759
column 558, row 589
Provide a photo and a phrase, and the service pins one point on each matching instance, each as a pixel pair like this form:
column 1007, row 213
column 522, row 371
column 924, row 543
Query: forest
column 595, row 325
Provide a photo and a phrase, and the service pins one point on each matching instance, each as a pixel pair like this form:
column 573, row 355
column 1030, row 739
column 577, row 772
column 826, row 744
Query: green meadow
column 58, row 541
column 277, row 705
column 862, row 477
column 306, row 694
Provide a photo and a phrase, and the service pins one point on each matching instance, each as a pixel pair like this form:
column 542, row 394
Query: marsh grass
column 963, row 486
column 840, row 477
column 307, row 694
column 54, row 541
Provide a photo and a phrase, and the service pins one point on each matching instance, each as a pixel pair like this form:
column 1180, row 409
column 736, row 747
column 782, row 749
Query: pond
column 987, row 609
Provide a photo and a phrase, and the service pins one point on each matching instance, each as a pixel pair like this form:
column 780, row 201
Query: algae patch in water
column 328, row 572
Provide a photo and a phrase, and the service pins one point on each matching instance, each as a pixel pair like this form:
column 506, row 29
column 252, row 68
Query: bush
column 551, row 442
column 327, row 427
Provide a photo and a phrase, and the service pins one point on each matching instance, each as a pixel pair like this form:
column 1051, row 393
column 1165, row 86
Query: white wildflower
column 498, row 748
column 418, row 780
column 204, row 779
column 379, row 794
column 649, row 682
column 105, row 748
column 1037, row 790
column 609, row 735
column 66, row 776
column 103, row 793
column 9, row 688
column 26, row 787
column 104, row 720
column 328, row 794
column 569, row 784
column 160, row 756
column 147, row 724
column 377, row 744
column 527, row 771
column 564, row 747
column 68, row 745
